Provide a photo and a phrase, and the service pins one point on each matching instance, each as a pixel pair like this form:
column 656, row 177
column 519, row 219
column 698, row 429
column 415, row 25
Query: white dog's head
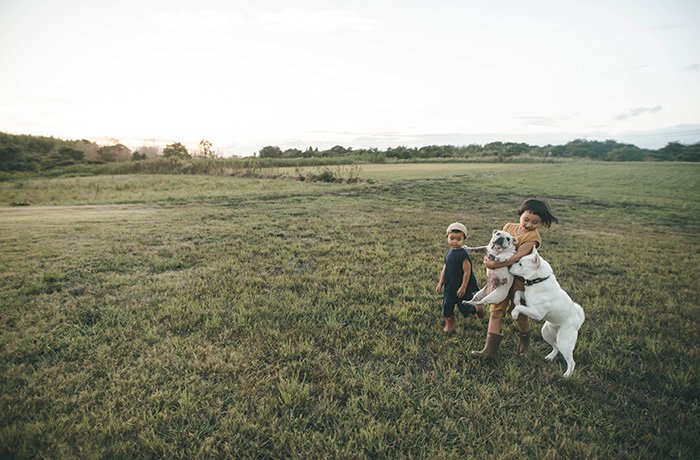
column 531, row 267
column 501, row 241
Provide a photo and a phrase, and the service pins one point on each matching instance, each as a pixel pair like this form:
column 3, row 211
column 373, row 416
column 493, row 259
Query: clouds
column 637, row 112
column 194, row 21
column 300, row 19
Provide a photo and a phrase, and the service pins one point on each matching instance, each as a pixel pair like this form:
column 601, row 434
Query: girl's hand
column 488, row 263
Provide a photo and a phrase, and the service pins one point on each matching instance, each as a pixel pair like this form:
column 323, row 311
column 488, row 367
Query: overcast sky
column 360, row 73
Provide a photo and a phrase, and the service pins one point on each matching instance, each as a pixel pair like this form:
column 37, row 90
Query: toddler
column 457, row 278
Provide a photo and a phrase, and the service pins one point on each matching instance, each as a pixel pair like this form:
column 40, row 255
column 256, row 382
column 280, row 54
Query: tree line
column 21, row 152
column 39, row 153
column 608, row 150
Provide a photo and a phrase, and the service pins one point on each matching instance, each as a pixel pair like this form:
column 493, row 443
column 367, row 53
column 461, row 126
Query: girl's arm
column 523, row 250
column 467, row 268
column 442, row 280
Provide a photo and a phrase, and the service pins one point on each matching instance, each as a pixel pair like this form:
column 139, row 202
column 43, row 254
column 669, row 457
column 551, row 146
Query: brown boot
column 493, row 341
column 524, row 342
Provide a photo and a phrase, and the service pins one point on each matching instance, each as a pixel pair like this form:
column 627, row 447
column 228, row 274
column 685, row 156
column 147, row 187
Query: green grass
column 213, row 317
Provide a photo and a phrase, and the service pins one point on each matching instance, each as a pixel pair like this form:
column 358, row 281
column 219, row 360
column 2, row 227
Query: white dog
column 546, row 300
column 498, row 280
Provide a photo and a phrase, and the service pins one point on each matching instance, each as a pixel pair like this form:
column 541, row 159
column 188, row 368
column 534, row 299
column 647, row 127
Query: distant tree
column 516, row 149
column 583, row 148
column 690, row 153
column 176, row 150
column 113, row 153
column 436, row 151
column 71, row 154
column 400, row 152
column 11, row 158
column 150, row 151
column 292, row 153
column 270, row 151
column 310, row 152
column 136, row 156
column 205, row 149
column 626, row 153
column 670, row 152
column 336, row 151
column 88, row 148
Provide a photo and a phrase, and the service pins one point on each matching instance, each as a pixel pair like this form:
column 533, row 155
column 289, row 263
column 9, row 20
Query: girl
column 533, row 214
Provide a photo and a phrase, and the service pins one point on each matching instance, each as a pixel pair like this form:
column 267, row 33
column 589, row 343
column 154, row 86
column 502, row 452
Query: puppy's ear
column 494, row 232
column 537, row 256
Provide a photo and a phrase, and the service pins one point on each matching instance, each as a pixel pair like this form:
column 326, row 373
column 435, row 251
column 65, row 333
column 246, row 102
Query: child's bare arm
column 523, row 250
column 467, row 268
column 442, row 280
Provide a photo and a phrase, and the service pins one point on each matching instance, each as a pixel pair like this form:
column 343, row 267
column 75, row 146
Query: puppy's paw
column 551, row 356
column 515, row 313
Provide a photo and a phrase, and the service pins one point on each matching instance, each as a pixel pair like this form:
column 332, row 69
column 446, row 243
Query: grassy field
column 196, row 317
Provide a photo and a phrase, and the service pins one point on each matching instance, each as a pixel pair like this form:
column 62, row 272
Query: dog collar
column 535, row 281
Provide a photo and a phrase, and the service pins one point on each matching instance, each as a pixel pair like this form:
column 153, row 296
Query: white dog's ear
column 537, row 256
column 494, row 232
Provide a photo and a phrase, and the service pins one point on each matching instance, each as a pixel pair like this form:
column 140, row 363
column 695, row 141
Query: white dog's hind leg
column 566, row 340
column 549, row 334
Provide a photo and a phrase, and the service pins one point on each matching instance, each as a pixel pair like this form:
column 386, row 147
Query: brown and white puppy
column 498, row 280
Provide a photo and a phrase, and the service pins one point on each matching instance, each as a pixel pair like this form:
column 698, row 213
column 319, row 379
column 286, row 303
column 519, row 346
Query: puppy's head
column 501, row 241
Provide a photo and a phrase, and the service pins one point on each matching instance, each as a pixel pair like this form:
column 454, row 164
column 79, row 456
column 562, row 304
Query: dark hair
column 539, row 208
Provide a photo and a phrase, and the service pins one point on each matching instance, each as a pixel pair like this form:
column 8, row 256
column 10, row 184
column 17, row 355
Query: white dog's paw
column 569, row 371
column 515, row 313
column 552, row 355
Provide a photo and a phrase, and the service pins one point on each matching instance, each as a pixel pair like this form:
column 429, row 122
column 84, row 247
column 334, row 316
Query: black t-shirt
column 454, row 273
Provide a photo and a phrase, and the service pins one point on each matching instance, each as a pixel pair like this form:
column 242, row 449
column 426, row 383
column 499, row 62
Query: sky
column 361, row 73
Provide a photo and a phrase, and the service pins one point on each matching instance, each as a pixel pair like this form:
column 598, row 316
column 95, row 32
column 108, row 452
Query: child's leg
column 495, row 318
column 449, row 323
column 448, row 310
column 466, row 310
column 470, row 309
column 522, row 321
column 494, row 336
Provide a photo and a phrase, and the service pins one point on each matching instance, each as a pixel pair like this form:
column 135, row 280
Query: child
column 533, row 214
column 457, row 278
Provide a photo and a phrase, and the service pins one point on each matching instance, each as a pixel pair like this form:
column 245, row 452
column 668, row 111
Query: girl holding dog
column 533, row 214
